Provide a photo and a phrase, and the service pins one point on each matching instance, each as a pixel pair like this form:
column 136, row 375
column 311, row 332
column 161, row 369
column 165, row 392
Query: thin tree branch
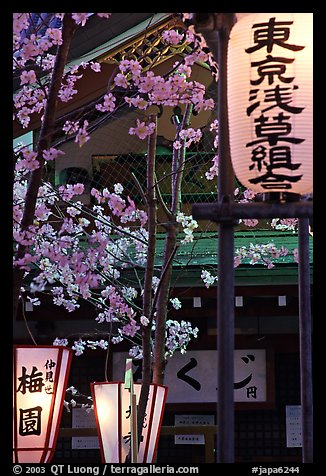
column 26, row 323
column 141, row 191
column 165, row 270
column 148, row 280
column 167, row 212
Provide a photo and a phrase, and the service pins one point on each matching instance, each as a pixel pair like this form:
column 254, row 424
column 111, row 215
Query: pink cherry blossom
column 108, row 103
column 95, row 67
column 130, row 329
column 171, row 37
column 42, row 212
column 251, row 223
column 48, row 62
column 82, row 136
column 116, row 204
column 20, row 22
column 177, row 145
column 142, row 130
column 95, row 193
column 213, row 171
column 80, row 18
column 26, row 260
column 104, row 15
column 124, row 65
column 70, row 127
column 138, row 102
column 249, row 194
column 28, row 77
column 146, row 82
column 52, row 153
column 121, row 81
column 24, row 116
column 30, row 48
column 134, row 67
column 55, row 35
column 66, row 92
column 44, row 44
column 67, row 192
column 29, row 162
column 182, row 69
column 78, row 188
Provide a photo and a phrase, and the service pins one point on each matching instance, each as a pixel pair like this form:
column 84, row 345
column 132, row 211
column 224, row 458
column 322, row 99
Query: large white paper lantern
column 112, row 411
column 270, row 101
column 40, row 381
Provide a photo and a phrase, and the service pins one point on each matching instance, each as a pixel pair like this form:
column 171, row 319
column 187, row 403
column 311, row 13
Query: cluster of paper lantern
column 40, row 381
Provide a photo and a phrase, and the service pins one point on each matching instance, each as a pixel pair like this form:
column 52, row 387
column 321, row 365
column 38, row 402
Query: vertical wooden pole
column 225, row 297
column 305, row 336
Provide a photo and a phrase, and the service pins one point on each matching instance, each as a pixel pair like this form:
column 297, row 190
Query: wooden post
column 305, row 333
column 225, row 288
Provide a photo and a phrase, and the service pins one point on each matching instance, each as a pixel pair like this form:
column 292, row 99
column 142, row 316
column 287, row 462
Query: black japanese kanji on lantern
column 270, row 102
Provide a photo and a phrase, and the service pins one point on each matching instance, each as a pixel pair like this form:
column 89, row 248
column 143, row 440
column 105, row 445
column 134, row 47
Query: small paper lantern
column 112, row 410
column 40, row 381
column 270, row 101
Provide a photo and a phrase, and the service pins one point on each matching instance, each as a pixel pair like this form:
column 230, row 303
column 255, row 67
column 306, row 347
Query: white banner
column 192, row 377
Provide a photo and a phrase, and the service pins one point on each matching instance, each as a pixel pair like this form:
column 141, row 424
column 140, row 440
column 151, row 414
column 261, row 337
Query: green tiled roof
column 204, row 249
column 202, row 253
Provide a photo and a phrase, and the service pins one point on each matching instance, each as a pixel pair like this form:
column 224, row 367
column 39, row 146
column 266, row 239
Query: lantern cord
column 26, row 323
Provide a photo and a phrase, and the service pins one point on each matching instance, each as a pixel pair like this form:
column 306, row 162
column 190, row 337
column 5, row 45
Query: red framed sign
column 39, row 385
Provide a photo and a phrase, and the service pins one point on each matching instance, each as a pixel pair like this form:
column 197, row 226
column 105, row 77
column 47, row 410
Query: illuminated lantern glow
column 112, row 411
column 40, row 381
column 270, row 101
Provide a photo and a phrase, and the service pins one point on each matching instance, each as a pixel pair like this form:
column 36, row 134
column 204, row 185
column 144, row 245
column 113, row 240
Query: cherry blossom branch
column 44, row 142
column 88, row 212
column 178, row 159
